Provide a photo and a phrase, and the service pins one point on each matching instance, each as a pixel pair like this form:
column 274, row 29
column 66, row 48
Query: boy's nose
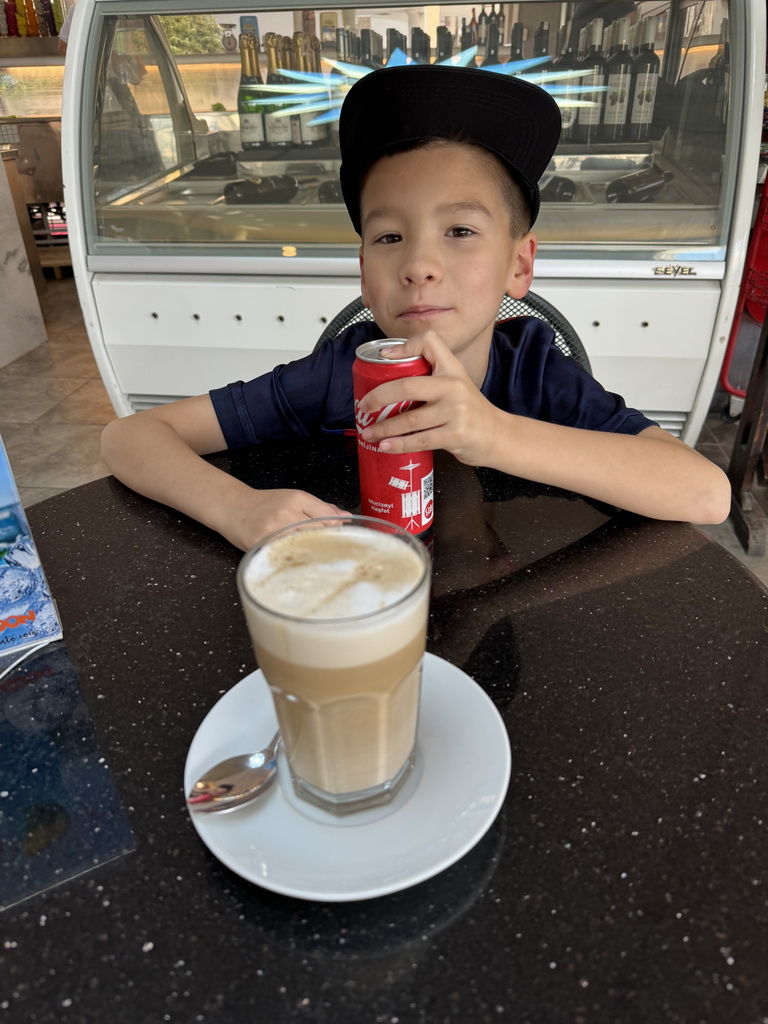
column 419, row 266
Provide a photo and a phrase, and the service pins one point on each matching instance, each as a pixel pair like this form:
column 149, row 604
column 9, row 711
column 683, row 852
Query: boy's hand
column 259, row 513
column 454, row 416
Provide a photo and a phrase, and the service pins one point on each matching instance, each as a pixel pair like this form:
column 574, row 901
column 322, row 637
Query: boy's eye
column 388, row 238
column 460, row 232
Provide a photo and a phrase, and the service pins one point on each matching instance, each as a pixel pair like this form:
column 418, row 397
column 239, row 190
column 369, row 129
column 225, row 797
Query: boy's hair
column 403, row 106
column 511, row 193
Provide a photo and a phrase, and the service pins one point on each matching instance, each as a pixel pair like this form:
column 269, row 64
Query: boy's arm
column 651, row 473
column 158, row 453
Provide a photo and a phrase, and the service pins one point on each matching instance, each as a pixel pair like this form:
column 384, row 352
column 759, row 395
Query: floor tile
column 24, row 399
column 55, row 360
column 89, row 404
column 54, row 455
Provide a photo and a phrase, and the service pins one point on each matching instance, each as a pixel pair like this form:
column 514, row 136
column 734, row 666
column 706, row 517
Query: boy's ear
column 363, row 288
column 521, row 271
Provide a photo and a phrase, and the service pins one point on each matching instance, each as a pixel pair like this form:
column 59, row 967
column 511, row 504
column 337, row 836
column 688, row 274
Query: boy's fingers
column 429, row 344
column 405, row 389
column 412, row 420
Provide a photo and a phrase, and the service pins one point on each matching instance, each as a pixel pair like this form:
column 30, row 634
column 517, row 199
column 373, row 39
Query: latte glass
column 337, row 612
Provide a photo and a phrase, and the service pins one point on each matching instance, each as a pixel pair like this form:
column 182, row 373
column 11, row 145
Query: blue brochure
column 28, row 615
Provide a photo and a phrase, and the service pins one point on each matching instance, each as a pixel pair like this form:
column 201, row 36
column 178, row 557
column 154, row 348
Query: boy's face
column 437, row 252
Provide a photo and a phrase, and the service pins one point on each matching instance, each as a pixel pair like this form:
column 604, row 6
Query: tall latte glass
column 337, row 612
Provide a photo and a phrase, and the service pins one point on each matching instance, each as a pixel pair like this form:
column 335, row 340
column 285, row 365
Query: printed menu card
column 28, row 614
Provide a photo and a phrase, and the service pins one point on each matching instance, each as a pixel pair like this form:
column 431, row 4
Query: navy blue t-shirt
column 527, row 375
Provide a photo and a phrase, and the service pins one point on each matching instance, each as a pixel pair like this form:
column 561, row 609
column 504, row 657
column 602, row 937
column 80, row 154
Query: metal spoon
column 236, row 781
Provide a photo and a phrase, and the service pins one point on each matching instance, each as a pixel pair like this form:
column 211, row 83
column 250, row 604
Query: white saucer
column 464, row 761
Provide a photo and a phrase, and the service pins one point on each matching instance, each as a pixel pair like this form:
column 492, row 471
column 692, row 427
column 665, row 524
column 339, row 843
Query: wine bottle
column 567, row 61
column 590, row 119
column 619, row 82
column 645, row 78
column 541, row 40
column 492, row 49
column 377, row 50
column 366, row 48
column 309, row 134
column 516, row 41
column 466, row 35
column 444, row 44
column 249, row 105
column 638, row 186
column 278, row 129
column 421, row 46
column 330, row 191
column 558, row 190
column 482, row 27
column 275, row 188
column 501, row 22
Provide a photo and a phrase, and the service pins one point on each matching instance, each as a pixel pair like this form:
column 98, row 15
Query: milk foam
column 332, row 573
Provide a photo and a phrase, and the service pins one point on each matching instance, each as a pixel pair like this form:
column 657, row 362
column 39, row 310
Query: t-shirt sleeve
column 307, row 397
column 573, row 398
column 532, row 377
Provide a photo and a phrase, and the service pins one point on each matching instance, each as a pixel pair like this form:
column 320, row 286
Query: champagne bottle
column 249, row 107
column 590, row 119
column 619, row 82
column 638, row 186
column 516, row 41
column 277, row 129
column 473, row 28
column 309, row 134
column 645, row 78
column 492, row 49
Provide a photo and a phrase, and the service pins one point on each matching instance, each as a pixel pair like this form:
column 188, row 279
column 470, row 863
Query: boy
column 439, row 174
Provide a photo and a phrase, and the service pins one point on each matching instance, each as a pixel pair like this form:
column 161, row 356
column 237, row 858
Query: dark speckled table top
column 625, row 880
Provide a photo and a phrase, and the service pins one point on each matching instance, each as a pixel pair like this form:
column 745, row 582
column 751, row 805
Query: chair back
column 566, row 338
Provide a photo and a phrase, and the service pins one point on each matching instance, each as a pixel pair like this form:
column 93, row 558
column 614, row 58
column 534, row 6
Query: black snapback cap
column 391, row 107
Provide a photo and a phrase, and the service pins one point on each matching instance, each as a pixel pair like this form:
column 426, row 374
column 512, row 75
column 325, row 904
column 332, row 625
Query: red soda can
column 398, row 488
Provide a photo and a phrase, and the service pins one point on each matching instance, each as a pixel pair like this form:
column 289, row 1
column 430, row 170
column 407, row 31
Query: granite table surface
column 625, row 879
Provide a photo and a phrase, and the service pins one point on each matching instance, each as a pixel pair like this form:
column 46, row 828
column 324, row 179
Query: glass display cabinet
column 207, row 232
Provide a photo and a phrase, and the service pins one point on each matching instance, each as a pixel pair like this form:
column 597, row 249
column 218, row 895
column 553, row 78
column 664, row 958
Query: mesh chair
column 566, row 339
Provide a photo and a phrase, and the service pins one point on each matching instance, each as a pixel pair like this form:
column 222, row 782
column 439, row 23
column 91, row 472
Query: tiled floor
column 53, row 407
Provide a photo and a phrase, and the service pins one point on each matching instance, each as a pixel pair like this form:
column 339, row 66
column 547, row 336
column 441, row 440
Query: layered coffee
column 338, row 615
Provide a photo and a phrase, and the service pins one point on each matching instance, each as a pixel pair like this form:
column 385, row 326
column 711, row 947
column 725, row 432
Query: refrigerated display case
column 209, row 241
